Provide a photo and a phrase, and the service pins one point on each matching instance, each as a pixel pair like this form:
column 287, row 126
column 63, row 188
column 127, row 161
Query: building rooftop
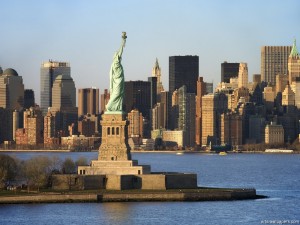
column 10, row 72
column 63, row 77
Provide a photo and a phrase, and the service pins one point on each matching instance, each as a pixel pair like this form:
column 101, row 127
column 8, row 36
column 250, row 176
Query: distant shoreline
column 153, row 151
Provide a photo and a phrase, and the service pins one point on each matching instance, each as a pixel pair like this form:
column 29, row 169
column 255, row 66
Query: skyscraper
column 167, row 104
column 64, row 103
column 213, row 105
column 200, row 92
column 88, row 101
column 274, row 60
column 11, row 90
column 243, row 76
column 104, row 100
column 229, row 70
column 11, row 99
column 156, row 72
column 29, row 100
column 294, row 64
column 63, row 92
column 153, row 86
column 138, row 96
column 186, row 120
column 49, row 71
column 183, row 70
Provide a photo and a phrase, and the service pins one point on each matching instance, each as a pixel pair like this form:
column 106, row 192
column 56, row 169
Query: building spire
column 294, row 52
column 156, row 63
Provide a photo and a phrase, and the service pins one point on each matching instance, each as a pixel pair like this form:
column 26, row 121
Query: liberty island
column 115, row 176
column 115, row 169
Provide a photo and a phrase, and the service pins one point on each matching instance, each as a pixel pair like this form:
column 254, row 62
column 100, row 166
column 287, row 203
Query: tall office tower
column 209, row 87
column 294, row 64
column 269, row 98
column 104, row 100
column 231, row 129
column 50, row 131
column 6, row 127
column 87, row 125
column 187, row 109
column 88, row 101
column 167, row 104
column 64, row 102
column 153, row 87
column 33, row 125
column 243, row 75
column 200, row 92
column 16, row 122
column 29, row 100
column 174, row 112
column 135, row 127
column 11, row 99
column 281, row 82
column 138, row 96
column 274, row 60
column 239, row 94
column 156, row 72
column 11, row 90
column 288, row 96
column 183, row 114
column 213, row 105
column 257, row 78
column 183, row 70
column 229, row 70
column 297, row 92
column 49, row 71
column 256, row 128
column 63, row 92
column 158, row 116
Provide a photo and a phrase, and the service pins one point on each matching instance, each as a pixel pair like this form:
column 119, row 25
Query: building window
column 117, row 131
column 113, row 131
column 83, row 172
column 108, row 131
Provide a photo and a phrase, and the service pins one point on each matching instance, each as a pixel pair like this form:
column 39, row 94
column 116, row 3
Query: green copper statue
column 117, row 81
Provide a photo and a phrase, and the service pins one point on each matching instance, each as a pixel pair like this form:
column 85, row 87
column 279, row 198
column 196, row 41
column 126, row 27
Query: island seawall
column 201, row 194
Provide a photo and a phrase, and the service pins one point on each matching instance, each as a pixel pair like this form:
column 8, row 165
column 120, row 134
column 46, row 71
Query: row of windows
column 113, row 131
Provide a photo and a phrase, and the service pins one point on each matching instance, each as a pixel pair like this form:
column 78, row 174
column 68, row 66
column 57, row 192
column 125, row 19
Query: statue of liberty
column 117, row 81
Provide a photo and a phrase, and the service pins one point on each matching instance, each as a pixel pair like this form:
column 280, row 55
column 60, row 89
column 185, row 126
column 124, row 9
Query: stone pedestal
column 114, row 145
column 114, row 156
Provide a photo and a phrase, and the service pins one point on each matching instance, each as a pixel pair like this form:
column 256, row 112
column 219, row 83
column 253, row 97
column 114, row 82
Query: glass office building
column 49, row 71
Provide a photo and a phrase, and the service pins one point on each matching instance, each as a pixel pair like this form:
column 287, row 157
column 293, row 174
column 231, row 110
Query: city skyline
column 85, row 35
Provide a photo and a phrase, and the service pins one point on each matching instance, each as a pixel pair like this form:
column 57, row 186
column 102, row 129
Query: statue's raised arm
column 120, row 52
column 117, row 81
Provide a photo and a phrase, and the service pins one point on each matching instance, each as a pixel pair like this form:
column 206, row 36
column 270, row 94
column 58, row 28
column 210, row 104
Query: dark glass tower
column 229, row 70
column 49, row 71
column 138, row 96
column 183, row 70
column 29, row 100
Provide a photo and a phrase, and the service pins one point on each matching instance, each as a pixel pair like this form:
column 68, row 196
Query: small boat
column 222, row 153
column 179, row 153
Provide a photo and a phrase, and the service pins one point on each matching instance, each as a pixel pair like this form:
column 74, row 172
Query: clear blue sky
column 86, row 33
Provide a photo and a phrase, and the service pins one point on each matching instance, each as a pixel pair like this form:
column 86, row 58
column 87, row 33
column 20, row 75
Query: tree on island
column 8, row 170
column 37, row 171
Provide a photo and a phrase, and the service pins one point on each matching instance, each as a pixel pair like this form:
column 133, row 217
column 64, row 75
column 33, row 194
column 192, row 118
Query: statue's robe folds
column 116, row 85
